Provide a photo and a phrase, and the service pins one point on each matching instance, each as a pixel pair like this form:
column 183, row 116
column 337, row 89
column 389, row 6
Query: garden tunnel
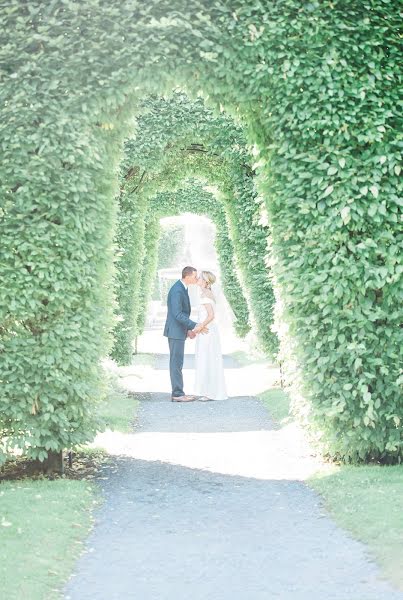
column 313, row 87
column 195, row 199
column 161, row 159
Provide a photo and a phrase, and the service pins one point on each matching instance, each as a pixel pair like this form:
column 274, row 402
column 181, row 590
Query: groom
column 178, row 326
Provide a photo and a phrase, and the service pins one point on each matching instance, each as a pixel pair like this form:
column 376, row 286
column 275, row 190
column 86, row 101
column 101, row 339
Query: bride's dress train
column 209, row 369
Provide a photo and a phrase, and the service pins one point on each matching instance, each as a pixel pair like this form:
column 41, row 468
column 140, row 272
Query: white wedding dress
column 209, row 369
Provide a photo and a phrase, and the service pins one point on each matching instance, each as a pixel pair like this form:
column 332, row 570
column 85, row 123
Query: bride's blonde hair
column 209, row 278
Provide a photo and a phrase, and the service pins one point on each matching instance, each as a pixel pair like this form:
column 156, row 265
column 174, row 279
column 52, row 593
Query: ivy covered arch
column 195, row 199
column 178, row 138
column 137, row 262
column 316, row 86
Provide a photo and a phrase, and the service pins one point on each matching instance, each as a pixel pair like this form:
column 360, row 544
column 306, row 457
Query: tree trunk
column 54, row 463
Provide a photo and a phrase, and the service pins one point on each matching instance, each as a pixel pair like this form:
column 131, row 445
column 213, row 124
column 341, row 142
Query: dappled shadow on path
column 175, row 532
column 233, row 437
column 206, row 500
column 242, row 380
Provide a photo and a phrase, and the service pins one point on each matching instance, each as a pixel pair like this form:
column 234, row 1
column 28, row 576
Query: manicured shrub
column 171, row 241
column 130, row 256
column 314, row 85
column 178, row 138
column 193, row 198
column 149, row 266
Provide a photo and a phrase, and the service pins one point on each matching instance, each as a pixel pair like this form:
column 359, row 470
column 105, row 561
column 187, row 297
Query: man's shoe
column 183, row 398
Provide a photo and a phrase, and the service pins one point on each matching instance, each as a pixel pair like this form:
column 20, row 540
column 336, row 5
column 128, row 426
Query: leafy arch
column 178, row 138
column 316, row 86
column 195, row 199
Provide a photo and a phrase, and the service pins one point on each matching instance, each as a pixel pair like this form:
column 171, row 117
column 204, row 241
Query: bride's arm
column 210, row 314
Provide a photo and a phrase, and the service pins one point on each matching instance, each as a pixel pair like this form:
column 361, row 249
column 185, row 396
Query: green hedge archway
column 194, row 199
column 164, row 155
column 317, row 86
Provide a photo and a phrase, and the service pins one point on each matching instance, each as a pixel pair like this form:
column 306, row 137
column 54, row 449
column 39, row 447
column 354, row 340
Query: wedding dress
column 209, row 369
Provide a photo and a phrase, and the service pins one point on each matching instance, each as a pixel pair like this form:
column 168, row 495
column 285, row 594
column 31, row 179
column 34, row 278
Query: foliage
column 329, row 178
column 315, row 86
column 177, row 138
column 130, row 252
column 170, row 244
column 193, row 198
column 149, row 267
column 171, row 241
column 278, row 404
column 55, row 311
column 250, row 236
column 119, row 408
column 229, row 276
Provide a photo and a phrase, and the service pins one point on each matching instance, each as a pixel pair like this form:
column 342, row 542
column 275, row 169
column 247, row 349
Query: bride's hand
column 200, row 328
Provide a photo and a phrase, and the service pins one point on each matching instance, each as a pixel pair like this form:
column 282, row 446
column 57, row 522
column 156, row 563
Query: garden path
column 207, row 500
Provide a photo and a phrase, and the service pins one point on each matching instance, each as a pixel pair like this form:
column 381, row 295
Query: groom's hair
column 187, row 271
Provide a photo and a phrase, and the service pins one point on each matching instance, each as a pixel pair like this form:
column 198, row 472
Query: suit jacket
column 178, row 322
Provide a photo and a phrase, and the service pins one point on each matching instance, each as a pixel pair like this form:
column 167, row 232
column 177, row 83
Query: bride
column 209, row 380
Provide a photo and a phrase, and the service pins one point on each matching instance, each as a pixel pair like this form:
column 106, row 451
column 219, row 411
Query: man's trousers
column 176, row 356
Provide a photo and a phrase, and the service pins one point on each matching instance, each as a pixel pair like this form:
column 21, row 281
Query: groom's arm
column 177, row 310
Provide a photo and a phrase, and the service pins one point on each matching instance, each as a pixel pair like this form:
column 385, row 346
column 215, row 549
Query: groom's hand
column 191, row 334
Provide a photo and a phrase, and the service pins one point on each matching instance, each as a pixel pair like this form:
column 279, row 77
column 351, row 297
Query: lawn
column 365, row 500
column 248, row 358
column 42, row 527
column 368, row 501
column 118, row 411
column 277, row 403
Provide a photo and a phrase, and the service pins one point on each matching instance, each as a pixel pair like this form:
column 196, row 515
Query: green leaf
column 346, row 214
column 374, row 191
column 332, row 170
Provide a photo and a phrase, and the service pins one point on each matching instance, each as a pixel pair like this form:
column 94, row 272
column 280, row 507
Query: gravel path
column 183, row 520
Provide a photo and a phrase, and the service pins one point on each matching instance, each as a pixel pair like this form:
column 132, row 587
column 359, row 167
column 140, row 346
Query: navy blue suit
column 176, row 327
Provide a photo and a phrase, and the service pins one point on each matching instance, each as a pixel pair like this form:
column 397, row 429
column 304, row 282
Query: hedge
column 177, row 138
column 314, row 85
column 149, row 268
column 193, row 198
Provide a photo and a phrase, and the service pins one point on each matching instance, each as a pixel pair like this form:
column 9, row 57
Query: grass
column 118, row 411
column 365, row 500
column 368, row 501
column 245, row 359
column 277, row 403
column 42, row 527
column 144, row 359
